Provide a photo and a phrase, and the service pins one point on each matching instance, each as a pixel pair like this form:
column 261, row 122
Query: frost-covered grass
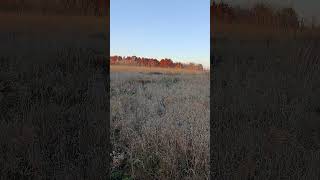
column 160, row 125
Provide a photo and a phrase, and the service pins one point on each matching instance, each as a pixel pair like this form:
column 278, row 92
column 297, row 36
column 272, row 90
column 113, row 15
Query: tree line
column 152, row 62
column 260, row 14
column 79, row 7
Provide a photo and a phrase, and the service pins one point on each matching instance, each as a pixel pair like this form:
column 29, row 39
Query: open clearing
column 126, row 68
column 160, row 125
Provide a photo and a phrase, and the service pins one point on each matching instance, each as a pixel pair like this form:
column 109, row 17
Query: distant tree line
column 151, row 62
column 260, row 14
column 79, row 7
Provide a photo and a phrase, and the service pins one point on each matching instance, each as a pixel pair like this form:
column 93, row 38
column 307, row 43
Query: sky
column 175, row 29
column 305, row 8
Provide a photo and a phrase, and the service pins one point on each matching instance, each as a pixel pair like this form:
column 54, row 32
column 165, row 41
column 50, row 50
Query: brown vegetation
column 151, row 62
column 153, row 70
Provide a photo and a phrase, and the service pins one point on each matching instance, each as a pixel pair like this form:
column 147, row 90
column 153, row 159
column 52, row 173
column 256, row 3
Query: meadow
column 159, row 70
column 159, row 124
column 265, row 118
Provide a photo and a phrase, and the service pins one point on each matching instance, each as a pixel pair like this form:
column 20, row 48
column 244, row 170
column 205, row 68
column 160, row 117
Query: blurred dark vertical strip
column 107, row 74
column 54, row 92
column 211, row 88
column 104, row 61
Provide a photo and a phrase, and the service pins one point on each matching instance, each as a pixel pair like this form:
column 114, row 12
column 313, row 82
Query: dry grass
column 160, row 125
column 125, row 68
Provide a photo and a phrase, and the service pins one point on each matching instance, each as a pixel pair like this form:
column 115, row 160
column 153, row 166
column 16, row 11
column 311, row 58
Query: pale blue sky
column 176, row 29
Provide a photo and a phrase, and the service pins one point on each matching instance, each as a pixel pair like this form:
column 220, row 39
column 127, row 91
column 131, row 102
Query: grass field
column 159, row 125
column 265, row 121
column 126, row 68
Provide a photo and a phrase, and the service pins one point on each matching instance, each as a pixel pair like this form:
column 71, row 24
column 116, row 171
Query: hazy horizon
column 178, row 30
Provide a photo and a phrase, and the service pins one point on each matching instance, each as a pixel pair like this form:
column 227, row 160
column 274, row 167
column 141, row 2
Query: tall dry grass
column 160, row 125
